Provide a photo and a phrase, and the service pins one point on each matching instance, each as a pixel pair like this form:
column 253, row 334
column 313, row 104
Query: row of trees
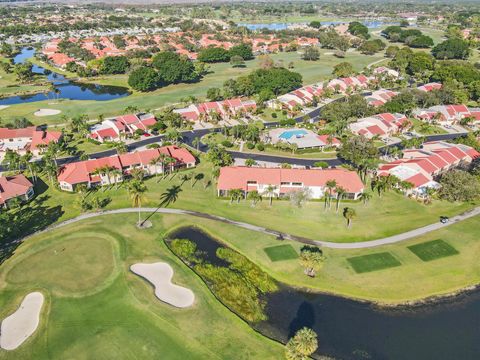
column 220, row 54
column 167, row 68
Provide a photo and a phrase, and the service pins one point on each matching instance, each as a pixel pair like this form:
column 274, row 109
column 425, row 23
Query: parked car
column 444, row 219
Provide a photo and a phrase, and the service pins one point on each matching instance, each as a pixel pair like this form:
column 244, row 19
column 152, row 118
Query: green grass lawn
column 433, row 250
column 381, row 217
column 373, row 262
column 281, row 252
column 97, row 309
column 312, row 71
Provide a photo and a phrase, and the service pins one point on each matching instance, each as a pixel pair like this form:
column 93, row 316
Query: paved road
column 190, row 135
column 357, row 245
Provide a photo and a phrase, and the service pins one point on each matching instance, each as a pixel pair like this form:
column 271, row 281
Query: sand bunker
column 4, row 107
column 46, row 112
column 160, row 275
column 18, row 327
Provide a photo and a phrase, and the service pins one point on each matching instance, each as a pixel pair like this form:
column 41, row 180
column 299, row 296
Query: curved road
column 357, row 245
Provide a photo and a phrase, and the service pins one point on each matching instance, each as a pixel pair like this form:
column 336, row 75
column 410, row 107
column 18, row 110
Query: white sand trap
column 46, row 112
column 17, row 328
column 160, row 275
column 4, row 107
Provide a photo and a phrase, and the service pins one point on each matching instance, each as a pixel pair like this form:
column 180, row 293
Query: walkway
column 357, row 245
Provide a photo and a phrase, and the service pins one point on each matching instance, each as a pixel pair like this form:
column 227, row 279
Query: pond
column 350, row 329
column 66, row 89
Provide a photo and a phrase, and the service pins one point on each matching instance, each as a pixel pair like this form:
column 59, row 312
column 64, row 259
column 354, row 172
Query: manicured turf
column 312, row 71
column 381, row 217
column 373, row 262
column 281, row 252
column 433, row 250
column 97, row 309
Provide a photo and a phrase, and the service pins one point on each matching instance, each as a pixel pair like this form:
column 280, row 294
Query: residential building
column 121, row 127
column 114, row 169
column 225, row 109
column 286, row 181
column 15, row 187
column 447, row 114
column 381, row 125
column 421, row 167
column 27, row 139
column 380, row 97
column 430, row 87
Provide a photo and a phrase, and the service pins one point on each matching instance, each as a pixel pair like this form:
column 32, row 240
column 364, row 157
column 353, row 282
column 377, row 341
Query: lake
column 349, row 329
column 67, row 89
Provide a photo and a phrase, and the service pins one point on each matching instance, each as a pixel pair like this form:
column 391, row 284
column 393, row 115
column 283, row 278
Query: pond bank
column 350, row 329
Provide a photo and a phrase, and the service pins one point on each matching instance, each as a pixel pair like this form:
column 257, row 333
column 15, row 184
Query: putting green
column 75, row 264
column 96, row 308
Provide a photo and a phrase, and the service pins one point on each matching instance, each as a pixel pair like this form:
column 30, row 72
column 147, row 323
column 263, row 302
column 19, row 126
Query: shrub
column 227, row 143
column 250, row 146
column 260, row 147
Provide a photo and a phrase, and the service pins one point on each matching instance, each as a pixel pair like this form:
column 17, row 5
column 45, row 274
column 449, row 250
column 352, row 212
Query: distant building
column 380, row 125
column 225, row 109
column 123, row 126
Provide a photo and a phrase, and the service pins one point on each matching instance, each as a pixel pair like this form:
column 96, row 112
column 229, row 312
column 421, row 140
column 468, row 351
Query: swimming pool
column 286, row 135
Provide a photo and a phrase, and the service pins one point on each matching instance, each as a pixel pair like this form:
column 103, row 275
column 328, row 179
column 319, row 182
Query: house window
column 284, row 183
column 297, row 184
column 251, row 182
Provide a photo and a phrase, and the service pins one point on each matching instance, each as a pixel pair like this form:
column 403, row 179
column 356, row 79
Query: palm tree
column 137, row 189
column 270, row 192
column 255, row 197
column 50, row 168
column 185, row 177
column 429, row 193
column 137, row 173
column 235, row 194
column 12, row 159
column 341, row 192
column 196, row 143
column 302, row 345
column 349, row 214
column 330, row 184
column 365, row 197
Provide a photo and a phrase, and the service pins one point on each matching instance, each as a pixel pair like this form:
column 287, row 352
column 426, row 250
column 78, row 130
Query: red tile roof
column 13, row 186
column 236, row 177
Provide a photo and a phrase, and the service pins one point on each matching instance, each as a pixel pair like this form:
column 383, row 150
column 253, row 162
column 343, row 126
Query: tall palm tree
column 270, row 192
column 349, row 214
column 25, row 161
column 341, row 192
column 137, row 189
column 196, row 143
column 330, row 185
column 50, row 168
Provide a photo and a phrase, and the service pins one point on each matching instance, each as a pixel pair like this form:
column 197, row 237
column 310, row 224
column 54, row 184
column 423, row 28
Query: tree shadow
column 28, row 219
column 168, row 197
column 305, row 318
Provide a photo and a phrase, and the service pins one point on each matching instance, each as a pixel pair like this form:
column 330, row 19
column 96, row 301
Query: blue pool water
column 290, row 133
